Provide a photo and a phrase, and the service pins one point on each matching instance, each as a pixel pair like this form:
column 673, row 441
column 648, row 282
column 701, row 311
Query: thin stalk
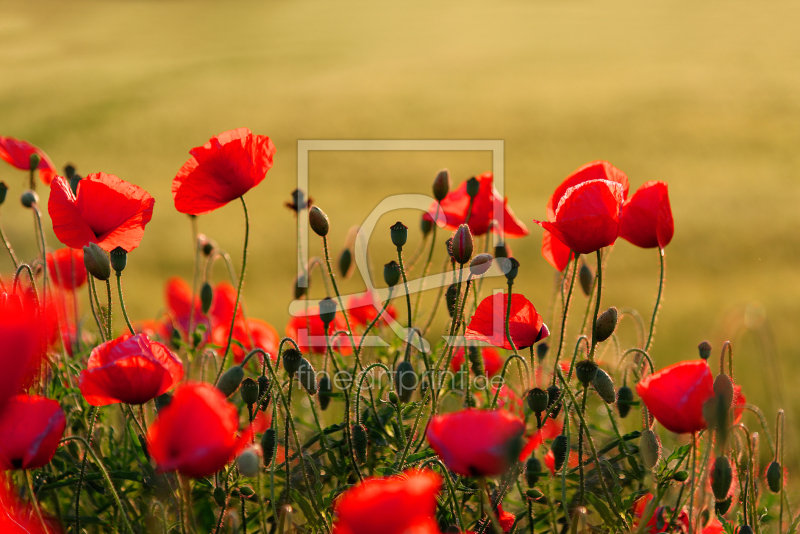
column 658, row 301
column 564, row 318
column 597, row 304
column 122, row 304
column 7, row 245
column 109, row 321
column 92, row 419
column 492, row 516
column 581, row 476
column 189, row 331
column 438, row 297
column 35, row 501
column 95, row 307
column 691, row 490
column 405, row 283
column 339, row 299
column 376, row 319
column 427, row 262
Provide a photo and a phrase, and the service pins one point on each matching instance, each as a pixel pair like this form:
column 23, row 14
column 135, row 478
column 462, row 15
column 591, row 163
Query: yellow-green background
column 705, row 96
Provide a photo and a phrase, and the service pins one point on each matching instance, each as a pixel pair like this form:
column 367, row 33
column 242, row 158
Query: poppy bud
column 268, row 445
column 29, row 198
column 263, row 392
column 541, row 351
column 724, row 388
column 426, row 224
column 301, row 284
column 327, row 311
column 248, row 462
column 681, row 476
column 536, row 496
column 325, row 390
column 393, row 398
column 721, row 477
column 230, row 380
column 291, row 361
column 774, row 477
column 560, row 448
column 586, row 278
column 537, row 400
column 745, row 529
column 705, row 350
column 345, row 262
column 553, row 392
column 299, row 201
column 722, row 507
column 208, row 248
column 441, row 185
column 34, row 160
column 318, row 221
column 206, row 297
column 650, row 449
column 532, row 469
column 247, row 492
column 307, row 376
column 162, row 401
column 450, row 298
column 480, row 264
column 462, row 244
column 249, row 391
column 604, row 387
column 391, row 273
column 510, row 268
column 96, row 262
column 405, row 380
column 3, row 191
column 360, row 441
column 399, row 233
column 220, row 497
column 119, row 259
column 606, row 324
column 585, row 371
column 501, row 251
column 73, row 183
column 476, row 360
column 473, row 186
column 624, row 396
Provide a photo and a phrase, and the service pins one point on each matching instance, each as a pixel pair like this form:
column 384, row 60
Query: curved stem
column 564, row 318
column 405, row 283
column 658, row 302
column 92, row 419
column 376, row 319
column 10, row 250
column 597, row 303
column 339, row 299
column 122, row 304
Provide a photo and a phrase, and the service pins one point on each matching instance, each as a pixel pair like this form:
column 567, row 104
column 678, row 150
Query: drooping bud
column 249, row 391
column 248, row 461
column 541, row 351
column 29, row 198
column 510, row 268
column 606, row 324
column 405, row 380
column 291, row 361
column 533, row 468
column 301, row 284
column 480, row 264
column 391, row 273
column 462, row 244
column 307, row 376
column 263, row 392
column 473, row 186
column 346, row 263
column 705, row 350
column 220, row 497
column 399, row 233
column 624, row 397
column 34, row 160
column 585, row 371
column 441, row 185
column 604, row 386
column 721, row 477
column 96, row 262
column 426, row 224
column 318, row 221
column 560, row 448
column 586, row 278
column 206, row 297
column 119, row 259
column 230, row 380
column 360, row 441
column 553, row 394
column 268, row 441
column 327, row 311
column 500, row 251
column 537, row 400
column 325, row 391
column 650, row 449
column 774, row 477
column 450, row 298
column 3, row 192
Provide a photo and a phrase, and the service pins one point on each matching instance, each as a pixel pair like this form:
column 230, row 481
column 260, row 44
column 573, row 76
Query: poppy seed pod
column 206, row 297
column 249, row 391
column 560, row 448
column 318, row 221
column 220, row 497
column 327, row 311
column 119, row 259
column 34, row 160
column 360, row 442
column 399, row 233
column 208, row 248
column 537, row 400
column 532, row 469
column 604, row 386
column 391, row 273
column 345, row 263
column 248, row 461
column 263, row 392
column 29, row 198
column 473, row 187
column 268, row 442
column 705, row 349
column 324, row 392
column 462, row 244
column 606, row 324
column 480, row 264
column 585, row 371
column 553, row 393
column 307, row 376
column 774, row 477
column 650, row 449
column 721, row 477
column 501, row 251
column 291, row 361
column 510, row 268
column 624, row 397
column 450, row 298
column 405, row 380
column 96, row 262
column 230, row 380
column 441, row 185
column 586, row 278
column 3, row 192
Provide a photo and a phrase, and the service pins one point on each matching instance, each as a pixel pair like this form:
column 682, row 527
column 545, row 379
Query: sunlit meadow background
column 705, row 96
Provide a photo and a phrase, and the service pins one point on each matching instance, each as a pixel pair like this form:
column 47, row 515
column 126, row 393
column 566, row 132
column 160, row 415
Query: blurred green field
column 703, row 96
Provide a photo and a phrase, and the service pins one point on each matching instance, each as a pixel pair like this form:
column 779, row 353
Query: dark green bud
column 723, row 387
column 405, row 381
column 536, row 496
column 249, row 391
column 541, row 350
column 96, row 262
column 34, row 160
column 220, row 497
column 325, row 391
column 722, row 507
column 230, row 380
column 426, row 225
column 624, row 396
column 360, row 442
column 537, row 400
column 533, row 468
column 346, row 263
column 391, row 273
column 606, row 324
column 69, row 171
column 263, row 392
column 721, row 477
column 586, row 278
column 553, row 393
column 301, row 284
column 119, row 259
column 510, row 268
column 307, row 376
column 393, row 397
column 291, row 361
column 681, row 476
column 73, row 183
column 585, row 371
column 441, row 185
column 501, row 251
column 560, row 448
column 650, row 449
column 473, row 186
column 450, row 298
column 476, row 360
column 399, row 233
column 745, row 529
column 449, row 245
column 327, row 311
column 3, row 192
column 774, row 477
column 705, row 350
column 604, row 387
column 268, row 442
column 206, row 297
column 318, row 221
column 462, row 244
column 207, row 248
column 247, row 492
column 29, row 198
column 162, row 401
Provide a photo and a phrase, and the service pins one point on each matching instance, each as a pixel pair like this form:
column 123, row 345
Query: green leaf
column 601, row 508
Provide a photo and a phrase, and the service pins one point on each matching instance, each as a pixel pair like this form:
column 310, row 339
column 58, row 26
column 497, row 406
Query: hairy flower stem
column 122, row 304
column 492, row 516
column 581, row 476
column 564, row 318
column 339, row 299
column 597, row 304
column 286, row 443
column 238, row 290
column 92, row 418
column 694, row 476
column 8, row 248
column 438, row 297
column 95, row 308
column 658, row 302
column 195, row 276
column 347, row 434
column 427, row 262
column 405, row 284
column 34, row 501
column 109, row 321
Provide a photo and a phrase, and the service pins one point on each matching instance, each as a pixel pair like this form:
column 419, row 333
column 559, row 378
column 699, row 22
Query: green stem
column 35, row 501
column 405, row 283
column 375, row 320
column 597, row 304
column 427, row 262
column 339, row 299
column 189, row 331
column 93, row 302
column 109, row 321
column 564, row 318
column 691, row 489
column 122, row 304
column 10, row 250
column 658, row 301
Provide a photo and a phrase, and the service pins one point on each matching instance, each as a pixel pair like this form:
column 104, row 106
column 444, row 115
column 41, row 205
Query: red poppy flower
column 402, row 504
column 66, row 269
column 129, row 369
column 506, row 519
column 456, row 205
column 489, row 322
column 153, row 329
column 21, row 347
column 309, row 333
column 675, row 395
column 31, row 427
column 477, row 442
column 660, row 520
column 550, row 429
column 646, row 219
column 221, row 312
column 107, row 211
column 18, row 153
column 225, row 168
column 739, row 400
column 363, row 308
column 555, row 252
column 178, row 295
column 713, row 527
column 17, row 517
column 263, row 335
column 492, row 361
column 197, row 433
